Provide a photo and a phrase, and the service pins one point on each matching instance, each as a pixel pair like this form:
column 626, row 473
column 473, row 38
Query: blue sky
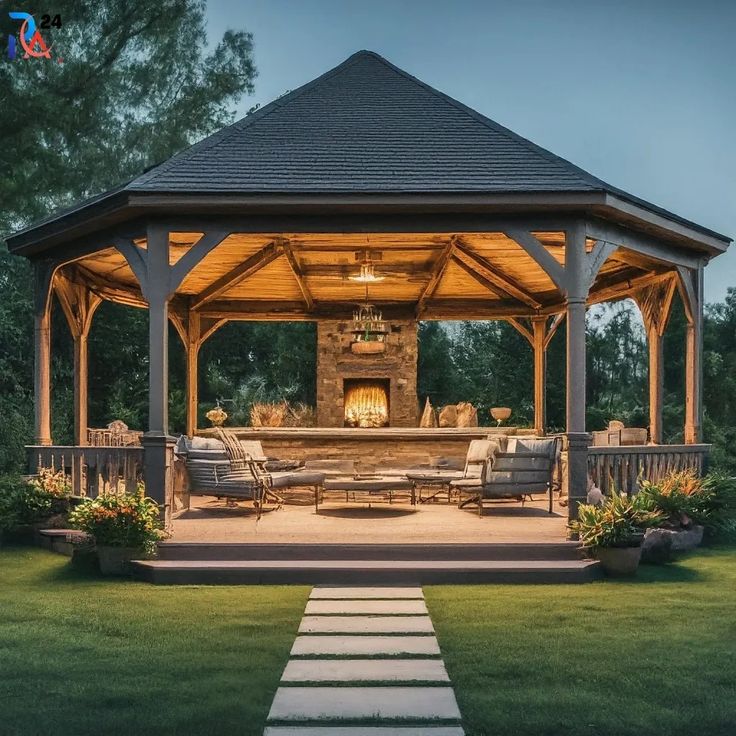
column 641, row 94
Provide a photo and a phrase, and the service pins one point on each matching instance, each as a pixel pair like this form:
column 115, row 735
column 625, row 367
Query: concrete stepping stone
column 363, row 731
column 334, row 593
column 365, row 646
column 366, row 625
column 335, row 703
column 365, row 670
column 365, row 606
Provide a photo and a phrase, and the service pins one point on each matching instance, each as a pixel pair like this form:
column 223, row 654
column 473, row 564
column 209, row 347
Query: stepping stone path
column 365, row 655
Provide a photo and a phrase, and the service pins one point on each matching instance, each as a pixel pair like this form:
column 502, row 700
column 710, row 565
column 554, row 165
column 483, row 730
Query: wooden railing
column 622, row 467
column 93, row 470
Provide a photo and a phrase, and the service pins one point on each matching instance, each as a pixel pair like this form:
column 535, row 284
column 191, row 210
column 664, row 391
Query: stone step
column 343, row 703
column 355, row 572
column 257, row 551
column 365, row 670
column 366, row 625
column 363, row 606
column 428, row 730
column 330, row 592
column 364, row 646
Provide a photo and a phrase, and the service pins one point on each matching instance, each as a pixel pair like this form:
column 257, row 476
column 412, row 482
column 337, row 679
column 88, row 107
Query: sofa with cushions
column 210, row 473
column 516, row 467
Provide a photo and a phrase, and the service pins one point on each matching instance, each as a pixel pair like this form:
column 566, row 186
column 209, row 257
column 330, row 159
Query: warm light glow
column 367, row 274
column 366, row 405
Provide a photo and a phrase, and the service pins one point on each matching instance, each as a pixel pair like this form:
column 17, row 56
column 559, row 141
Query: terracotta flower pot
column 619, row 561
column 116, row 560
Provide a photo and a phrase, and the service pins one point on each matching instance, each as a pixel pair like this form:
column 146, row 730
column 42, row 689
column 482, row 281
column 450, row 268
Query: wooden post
column 158, row 330
column 539, row 334
column 656, row 384
column 577, row 279
column 192, row 360
column 43, row 274
column 655, row 305
column 691, row 289
column 79, row 305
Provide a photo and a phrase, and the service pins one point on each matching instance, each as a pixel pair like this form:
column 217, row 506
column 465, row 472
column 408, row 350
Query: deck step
column 255, row 551
column 349, row 572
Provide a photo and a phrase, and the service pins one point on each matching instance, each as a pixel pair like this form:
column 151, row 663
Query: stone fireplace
column 378, row 390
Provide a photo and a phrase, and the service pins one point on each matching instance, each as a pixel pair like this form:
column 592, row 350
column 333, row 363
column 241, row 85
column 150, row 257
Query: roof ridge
column 246, row 121
column 490, row 123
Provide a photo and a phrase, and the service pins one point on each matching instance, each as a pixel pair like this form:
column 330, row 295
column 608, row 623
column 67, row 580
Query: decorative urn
column 217, row 416
column 500, row 413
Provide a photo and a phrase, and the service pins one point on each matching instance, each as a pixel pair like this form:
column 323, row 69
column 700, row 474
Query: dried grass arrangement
column 282, row 414
column 268, row 414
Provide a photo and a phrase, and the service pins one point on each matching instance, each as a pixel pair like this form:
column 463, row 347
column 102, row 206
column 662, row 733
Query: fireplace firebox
column 366, row 402
column 378, row 390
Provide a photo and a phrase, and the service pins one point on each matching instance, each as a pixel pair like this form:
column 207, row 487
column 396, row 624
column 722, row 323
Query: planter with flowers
column 124, row 527
column 613, row 532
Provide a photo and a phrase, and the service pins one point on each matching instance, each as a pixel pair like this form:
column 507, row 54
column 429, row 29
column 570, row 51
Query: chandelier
column 369, row 329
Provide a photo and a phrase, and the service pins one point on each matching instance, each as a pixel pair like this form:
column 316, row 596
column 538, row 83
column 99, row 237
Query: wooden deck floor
column 356, row 523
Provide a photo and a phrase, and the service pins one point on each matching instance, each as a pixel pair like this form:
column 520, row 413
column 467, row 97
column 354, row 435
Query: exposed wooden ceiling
column 305, row 275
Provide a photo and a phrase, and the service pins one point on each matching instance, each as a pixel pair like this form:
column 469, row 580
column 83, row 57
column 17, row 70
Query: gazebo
column 458, row 218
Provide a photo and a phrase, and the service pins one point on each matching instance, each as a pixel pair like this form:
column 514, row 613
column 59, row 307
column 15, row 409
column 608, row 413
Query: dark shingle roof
column 365, row 126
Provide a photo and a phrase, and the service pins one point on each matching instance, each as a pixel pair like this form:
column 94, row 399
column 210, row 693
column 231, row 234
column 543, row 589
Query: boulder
column 660, row 544
column 467, row 415
column 448, row 416
column 429, row 416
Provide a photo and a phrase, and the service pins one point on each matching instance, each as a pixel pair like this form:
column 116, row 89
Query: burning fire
column 366, row 405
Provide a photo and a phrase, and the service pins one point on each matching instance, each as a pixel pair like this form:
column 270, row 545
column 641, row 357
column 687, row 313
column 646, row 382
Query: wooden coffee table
column 371, row 485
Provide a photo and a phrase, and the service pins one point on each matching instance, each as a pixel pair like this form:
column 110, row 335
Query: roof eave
column 125, row 205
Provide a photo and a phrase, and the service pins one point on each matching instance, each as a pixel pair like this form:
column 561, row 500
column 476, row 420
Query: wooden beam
column 597, row 257
column 437, row 273
column 242, row 271
column 556, row 322
column 194, row 256
column 521, row 328
column 494, row 276
column 540, row 254
column 208, row 327
column 627, row 287
column 298, row 272
column 137, row 259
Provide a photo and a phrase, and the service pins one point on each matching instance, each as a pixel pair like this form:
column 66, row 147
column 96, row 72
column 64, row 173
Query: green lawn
column 81, row 655
column 643, row 658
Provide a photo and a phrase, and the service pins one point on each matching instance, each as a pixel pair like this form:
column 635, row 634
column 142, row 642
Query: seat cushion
column 297, row 478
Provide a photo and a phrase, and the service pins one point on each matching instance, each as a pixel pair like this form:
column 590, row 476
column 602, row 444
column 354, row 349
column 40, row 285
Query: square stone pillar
column 158, row 471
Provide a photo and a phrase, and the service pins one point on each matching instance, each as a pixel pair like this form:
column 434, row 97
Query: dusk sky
column 641, row 94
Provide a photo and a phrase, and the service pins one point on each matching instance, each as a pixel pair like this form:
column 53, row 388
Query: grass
column 648, row 657
column 82, row 655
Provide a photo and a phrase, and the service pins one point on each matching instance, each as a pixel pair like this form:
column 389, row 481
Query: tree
column 136, row 85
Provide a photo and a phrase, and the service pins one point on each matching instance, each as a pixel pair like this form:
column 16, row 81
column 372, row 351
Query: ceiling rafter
column 242, row 271
column 299, row 275
column 436, row 276
column 501, row 282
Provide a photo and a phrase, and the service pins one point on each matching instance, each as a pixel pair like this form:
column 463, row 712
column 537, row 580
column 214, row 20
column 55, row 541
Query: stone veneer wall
column 335, row 363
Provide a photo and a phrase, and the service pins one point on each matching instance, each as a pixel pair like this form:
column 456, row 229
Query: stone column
column 158, row 471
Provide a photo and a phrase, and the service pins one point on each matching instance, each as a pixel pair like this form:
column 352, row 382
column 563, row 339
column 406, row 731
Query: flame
column 366, row 405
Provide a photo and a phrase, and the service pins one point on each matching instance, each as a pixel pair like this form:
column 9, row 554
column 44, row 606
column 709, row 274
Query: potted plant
column 613, row 532
column 124, row 527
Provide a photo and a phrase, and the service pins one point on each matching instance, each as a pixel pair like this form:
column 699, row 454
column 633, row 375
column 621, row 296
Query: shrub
column 682, row 496
column 722, row 494
column 619, row 522
column 31, row 501
column 125, row 520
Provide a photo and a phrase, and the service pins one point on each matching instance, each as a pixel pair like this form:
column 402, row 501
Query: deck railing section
column 93, row 470
column 622, row 467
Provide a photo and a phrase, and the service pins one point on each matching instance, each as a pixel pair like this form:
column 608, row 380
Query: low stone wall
column 370, row 449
